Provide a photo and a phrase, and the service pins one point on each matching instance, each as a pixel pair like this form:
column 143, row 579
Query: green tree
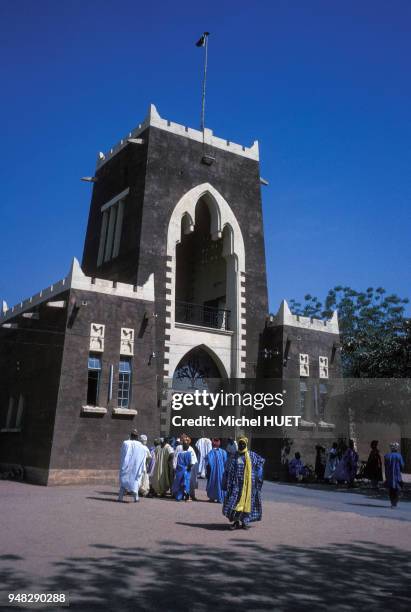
column 375, row 334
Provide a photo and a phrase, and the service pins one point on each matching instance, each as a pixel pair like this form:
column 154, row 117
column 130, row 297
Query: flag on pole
column 201, row 42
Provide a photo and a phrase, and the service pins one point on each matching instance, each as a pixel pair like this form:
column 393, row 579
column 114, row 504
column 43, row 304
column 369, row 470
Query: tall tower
column 188, row 211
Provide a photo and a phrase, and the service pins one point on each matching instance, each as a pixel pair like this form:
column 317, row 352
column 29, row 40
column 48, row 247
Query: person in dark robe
column 181, row 483
column 373, row 468
column 394, row 465
column 243, row 480
column 320, row 461
column 215, row 462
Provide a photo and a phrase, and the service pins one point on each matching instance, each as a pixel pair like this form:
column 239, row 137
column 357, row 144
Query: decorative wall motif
column 323, row 366
column 127, row 341
column 97, row 332
column 304, row 365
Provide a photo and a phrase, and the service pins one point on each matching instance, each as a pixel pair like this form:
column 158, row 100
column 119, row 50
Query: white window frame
column 111, row 226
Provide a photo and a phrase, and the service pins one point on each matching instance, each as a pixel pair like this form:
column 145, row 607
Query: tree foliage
column 375, row 334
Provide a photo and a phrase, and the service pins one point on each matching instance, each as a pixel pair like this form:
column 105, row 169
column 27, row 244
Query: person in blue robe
column 346, row 470
column 181, row 484
column 296, row 468
column 243, row 480
column 394, row 465
column 215, row 461
column 332, row 462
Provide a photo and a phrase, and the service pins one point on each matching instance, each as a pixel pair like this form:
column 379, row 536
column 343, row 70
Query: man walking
column 132, row 463
column 215, row 464
column 394, row 465
column 185, row 439
column 181, row 484
column 243, row 480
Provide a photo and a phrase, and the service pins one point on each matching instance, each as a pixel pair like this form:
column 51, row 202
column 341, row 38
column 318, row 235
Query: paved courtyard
column 315, row 548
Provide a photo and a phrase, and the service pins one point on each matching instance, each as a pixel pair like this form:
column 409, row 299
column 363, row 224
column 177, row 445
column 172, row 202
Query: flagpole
column 203, row 97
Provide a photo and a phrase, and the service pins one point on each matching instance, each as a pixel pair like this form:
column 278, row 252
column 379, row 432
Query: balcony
column 204, row 316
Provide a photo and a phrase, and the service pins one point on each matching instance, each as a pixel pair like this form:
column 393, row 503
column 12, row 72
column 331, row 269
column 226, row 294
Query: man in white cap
column 132, row 464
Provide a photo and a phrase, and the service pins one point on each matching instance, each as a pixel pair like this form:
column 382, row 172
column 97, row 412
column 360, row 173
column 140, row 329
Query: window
column 302, row 400
column 14, row 415
column 323, row 401
column 111, row 225
column 124, row 383
column 94, row 375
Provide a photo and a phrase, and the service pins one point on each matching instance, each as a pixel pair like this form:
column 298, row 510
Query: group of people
column 340, row 465
column 234, row 475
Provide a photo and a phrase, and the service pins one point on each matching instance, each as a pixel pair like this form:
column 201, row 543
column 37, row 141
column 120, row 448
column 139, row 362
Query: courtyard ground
column 316, row 548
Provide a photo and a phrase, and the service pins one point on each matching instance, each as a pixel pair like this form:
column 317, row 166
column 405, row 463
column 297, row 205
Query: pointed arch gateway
column 204, row 282
column 197, row 369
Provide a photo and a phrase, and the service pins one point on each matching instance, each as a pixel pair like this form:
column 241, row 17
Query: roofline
column 153, row 119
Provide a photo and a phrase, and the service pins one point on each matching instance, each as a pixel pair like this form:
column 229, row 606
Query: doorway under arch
column 198, row 369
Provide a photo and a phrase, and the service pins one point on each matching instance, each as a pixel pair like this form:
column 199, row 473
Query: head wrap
column 245, row 440
column 134, row 432
column 394, row 446
column 216, row 442
column 143, row 439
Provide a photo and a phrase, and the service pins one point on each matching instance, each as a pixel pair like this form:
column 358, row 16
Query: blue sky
column 324, row 86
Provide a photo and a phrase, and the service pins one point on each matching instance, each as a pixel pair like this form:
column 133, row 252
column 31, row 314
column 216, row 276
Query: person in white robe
column 194, row 464
column 204, row 446
column 132, row 462
column 145, row 482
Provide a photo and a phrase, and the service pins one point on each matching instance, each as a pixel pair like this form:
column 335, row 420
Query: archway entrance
column 201, row 274
column 197, row 370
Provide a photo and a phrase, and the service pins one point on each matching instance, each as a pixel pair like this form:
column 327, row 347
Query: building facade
column 172, row 285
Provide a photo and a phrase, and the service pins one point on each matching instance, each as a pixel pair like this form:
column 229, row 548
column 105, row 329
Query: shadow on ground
column 247, row 576
column 360, row 489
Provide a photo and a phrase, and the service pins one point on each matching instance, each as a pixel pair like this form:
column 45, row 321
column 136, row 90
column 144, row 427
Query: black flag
column 201, row 41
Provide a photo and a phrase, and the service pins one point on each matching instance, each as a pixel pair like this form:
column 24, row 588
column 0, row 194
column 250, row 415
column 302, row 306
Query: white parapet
column 153, row 119
column 76, row 279
column 284, row 316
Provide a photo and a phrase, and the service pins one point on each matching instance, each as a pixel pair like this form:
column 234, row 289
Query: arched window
column 196, row 370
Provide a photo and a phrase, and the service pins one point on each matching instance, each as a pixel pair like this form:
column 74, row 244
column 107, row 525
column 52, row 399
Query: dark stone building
column 76, row 365
column 173, row 273
column 304, row 355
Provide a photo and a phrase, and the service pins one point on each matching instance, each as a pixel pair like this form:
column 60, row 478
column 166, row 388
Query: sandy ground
column 178, row 556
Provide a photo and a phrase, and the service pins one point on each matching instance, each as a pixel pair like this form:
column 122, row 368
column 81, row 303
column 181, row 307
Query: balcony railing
column 205, row 316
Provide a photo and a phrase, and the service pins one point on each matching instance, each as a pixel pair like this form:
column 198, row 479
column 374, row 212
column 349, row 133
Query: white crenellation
column 284, row 316
column 153, row 119
column 76, row 279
